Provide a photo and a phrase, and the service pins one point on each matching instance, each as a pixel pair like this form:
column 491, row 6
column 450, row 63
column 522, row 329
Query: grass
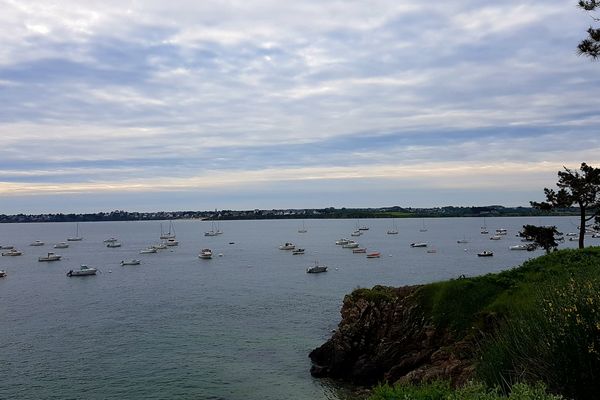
column 546, row 324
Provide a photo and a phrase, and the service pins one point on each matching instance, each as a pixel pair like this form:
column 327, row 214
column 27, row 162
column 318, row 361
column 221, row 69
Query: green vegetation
column 472, row 391
column 536, row 323
column 377, row 294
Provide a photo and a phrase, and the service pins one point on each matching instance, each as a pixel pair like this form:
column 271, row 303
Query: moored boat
column 419, row 244
column 205, row 254
column 7, row 247
column 359, row 250
column 519, row 247
column 61, row 245
column 350, row 245
column 50, row 257
column 37, row 243
column 148, row 250
column 172, row 242
column 287, row 246
column 315, row 269
column 130, row 262
column 75, row 238
column 12, row 253
column 298, row 252
column 84, row 270
column 340, row 242
column 113, row 244
column 2, row 273
column 485, row 253
column 374, row 254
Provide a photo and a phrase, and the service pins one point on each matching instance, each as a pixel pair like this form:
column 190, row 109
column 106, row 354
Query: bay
column 238, row 326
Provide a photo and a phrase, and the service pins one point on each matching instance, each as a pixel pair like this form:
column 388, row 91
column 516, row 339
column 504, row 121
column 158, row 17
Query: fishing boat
column 50, row 257
column 297, row 252
column 287, row 246
column 84, row 270
column 75, row 238
column 130, row 262
column 419, row 244
column 374, row 254
column 205, row 254
column 315, row 269
column 485, row 253
column 37, row 243
column 12, row 253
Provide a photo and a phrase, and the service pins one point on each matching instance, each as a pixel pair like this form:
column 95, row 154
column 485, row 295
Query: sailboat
column 170, row 234
column 75, row 238
column 394, row 230
column 213, row 230
column 423, row 229
column 303, row 229
column 484, row 230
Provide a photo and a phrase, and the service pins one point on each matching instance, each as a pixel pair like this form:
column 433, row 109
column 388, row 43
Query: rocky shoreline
column 387, row 335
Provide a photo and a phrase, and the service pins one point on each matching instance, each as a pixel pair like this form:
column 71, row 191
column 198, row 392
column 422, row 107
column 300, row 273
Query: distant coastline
column 308, row 213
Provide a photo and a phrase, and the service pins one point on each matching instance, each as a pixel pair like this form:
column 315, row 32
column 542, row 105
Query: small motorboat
column 84, row 270
column 420, row 244
column 37, row 243
column 287, row 246
column 205, row 254
column 485, row 253
column 50, row 257
column 341, row 242
column 2, row 273
column 374, row 254
column 359, row 250
column 12, row 253
column 495, row 237
column 315, row 269
column 172, row 242
column 61, row 245
column 350, row 245
column 113, row 244
column 501, row 231
column 130, row 262
column 298, row 252
column 519, row 247
column 148, row 250
column 7, row 247
column 356, row 233
column 392, row 232
column 112, row 239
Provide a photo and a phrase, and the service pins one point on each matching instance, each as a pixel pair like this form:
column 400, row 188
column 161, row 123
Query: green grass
column 473, row 391
column 541, row 322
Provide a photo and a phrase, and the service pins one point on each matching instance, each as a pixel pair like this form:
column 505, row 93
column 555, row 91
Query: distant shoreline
column 312, row 213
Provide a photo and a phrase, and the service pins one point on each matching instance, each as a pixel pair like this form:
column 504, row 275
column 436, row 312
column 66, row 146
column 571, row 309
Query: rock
column 386, row 335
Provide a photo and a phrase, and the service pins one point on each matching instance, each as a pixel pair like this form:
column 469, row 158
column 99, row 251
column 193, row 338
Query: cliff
column 388, row 334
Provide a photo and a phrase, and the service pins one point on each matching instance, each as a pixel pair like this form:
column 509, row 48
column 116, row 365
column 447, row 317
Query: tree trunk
column 581, row 226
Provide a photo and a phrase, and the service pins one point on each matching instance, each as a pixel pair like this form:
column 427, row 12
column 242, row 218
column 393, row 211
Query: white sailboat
column 75, row 238
column 423, row 228
column 170, row 234
column 484, row 230
column 303, row 229
column 394, row 230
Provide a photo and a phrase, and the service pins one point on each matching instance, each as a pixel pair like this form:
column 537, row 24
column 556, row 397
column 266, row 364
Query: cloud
column 112, row 96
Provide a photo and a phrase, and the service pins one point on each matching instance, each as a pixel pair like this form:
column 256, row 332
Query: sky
column 242, row 104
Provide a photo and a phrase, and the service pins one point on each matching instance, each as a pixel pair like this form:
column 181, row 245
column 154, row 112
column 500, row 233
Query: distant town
column 308, row 213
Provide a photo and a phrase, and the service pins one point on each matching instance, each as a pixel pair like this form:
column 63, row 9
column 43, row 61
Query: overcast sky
column 242, row 104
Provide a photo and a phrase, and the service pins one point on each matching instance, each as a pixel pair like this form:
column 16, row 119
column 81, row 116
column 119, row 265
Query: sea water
column 238, row 326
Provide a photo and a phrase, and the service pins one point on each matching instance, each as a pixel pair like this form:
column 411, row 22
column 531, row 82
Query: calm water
column 235, row 327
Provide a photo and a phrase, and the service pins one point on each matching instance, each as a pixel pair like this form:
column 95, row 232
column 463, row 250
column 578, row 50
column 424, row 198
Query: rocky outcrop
column 386, row 335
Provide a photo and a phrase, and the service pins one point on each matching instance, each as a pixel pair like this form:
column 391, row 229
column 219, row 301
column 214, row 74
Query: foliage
column 575, row 188
column 557, row 341
column 543, row 236
column 591, row 45
column 377, row 294
column 442, row 390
